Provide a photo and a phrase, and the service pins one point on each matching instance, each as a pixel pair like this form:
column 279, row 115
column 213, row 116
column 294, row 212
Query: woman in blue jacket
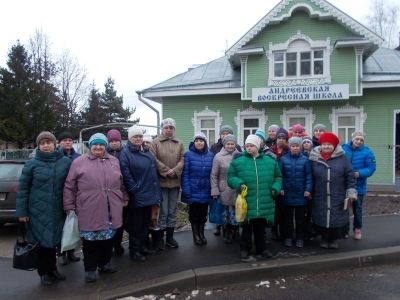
column 296, row 189
column 139, row 170
column 363, row 161
column 196, row 185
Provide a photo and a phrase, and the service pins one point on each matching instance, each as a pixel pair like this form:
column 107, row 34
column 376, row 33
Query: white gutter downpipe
column 150, row 106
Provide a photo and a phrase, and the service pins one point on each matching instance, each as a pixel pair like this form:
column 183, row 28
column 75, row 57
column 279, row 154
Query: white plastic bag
column 71, row 237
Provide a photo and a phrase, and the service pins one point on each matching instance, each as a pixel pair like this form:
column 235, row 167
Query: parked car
column 10, row 171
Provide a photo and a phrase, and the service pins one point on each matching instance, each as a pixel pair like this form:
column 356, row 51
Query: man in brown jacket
column 169, row 154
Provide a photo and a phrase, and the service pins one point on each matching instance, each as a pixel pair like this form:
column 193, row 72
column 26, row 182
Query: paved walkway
column 217, row 264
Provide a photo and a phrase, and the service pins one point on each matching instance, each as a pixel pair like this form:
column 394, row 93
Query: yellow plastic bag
column 241, row 206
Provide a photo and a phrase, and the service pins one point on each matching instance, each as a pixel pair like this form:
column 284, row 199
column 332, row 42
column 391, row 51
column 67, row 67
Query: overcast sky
column 139, row 43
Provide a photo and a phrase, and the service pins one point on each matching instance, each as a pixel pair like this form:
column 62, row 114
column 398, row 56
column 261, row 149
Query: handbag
column 25, row 255
column 71, row 237
column 215, row 214
column 241, row 206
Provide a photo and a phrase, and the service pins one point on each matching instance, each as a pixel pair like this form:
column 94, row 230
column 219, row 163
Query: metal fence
column 16, row 154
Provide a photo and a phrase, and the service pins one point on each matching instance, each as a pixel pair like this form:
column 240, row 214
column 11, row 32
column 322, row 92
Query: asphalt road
column 365, row 283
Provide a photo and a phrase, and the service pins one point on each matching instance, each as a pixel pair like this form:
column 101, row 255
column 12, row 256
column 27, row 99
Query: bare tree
column 71, row 80
column 383, row 20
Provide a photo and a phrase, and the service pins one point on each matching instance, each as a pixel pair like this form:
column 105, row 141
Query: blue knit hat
column 98, row 138
column 260, row 133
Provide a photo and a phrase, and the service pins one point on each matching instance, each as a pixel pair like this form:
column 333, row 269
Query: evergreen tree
column 112, row 105
column 16, row 86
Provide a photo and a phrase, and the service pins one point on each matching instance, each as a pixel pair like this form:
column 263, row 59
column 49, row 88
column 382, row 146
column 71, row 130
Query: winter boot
column 170, row 241
column 224, row 230
column 235, row 233
column 274, row 232
column 201, row 233
column 159, row 239
column 228, row 235
column 196, row 235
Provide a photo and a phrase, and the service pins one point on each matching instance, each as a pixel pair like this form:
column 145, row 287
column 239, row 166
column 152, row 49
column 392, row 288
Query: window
column 250, row 126
column 299, row 64
column 248, row 121
column 347, row 119
column 298, row 115
column 208, row 122
column 299, row 58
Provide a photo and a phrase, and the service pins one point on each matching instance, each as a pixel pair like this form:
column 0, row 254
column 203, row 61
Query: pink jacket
column 89, row 183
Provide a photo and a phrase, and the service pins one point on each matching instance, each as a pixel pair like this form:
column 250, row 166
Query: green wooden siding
column 342, row 61
column 379, row 105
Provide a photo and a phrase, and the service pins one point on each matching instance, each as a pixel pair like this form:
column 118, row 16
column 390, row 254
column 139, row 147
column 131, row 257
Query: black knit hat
column 64, row 135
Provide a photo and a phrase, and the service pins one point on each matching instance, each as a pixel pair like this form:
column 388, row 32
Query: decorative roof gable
column 327, row 12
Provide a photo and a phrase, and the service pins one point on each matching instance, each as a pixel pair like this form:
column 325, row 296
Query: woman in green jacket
column 262, row 176
column 39, row 202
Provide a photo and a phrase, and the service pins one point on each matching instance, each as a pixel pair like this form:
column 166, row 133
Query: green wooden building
column 305, row 62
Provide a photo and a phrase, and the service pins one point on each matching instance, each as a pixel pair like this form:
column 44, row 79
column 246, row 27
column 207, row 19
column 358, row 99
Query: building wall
column 379, row 105
column 342, row 61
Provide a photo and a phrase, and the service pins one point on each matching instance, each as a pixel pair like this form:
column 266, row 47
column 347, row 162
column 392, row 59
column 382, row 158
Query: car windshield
column 10, row 172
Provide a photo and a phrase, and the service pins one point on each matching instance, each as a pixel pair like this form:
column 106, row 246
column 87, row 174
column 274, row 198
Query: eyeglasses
column 169, row 127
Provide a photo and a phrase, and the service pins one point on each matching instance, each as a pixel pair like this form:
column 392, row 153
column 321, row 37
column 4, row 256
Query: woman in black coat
column 334, row 181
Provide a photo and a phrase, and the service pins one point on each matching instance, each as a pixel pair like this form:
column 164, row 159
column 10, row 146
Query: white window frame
column 300, row 43
column 249, row 113
column 348, row 111
column 298, row 112
column 207, row 114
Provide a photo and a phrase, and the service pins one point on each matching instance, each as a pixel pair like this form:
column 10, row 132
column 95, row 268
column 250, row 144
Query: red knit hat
column 329, row 137
column 114, row 135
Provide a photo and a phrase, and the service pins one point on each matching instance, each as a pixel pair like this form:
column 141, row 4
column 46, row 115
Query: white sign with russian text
column 301, row 93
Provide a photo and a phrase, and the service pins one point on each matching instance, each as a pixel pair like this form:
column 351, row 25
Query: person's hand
column 282, row 192
column 24, row 219
column 215, row 197
column 125, row 204
column 273, row 192
column 171, row 173
column 357, row 174
column 307, row 194
column 242, row 187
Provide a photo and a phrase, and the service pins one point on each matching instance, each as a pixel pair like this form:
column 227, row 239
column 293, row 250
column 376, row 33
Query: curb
column 203, row 278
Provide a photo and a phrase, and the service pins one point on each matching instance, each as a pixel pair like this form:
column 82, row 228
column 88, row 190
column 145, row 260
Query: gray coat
column 334, row 180
column 219, row 177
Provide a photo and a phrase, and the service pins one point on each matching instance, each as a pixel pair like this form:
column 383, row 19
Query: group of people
column 135, row 187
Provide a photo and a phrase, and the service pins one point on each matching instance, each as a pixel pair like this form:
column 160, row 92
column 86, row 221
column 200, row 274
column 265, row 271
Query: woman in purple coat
column 95, row 190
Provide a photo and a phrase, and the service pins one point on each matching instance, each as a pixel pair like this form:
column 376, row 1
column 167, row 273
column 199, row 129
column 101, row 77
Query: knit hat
column 329, row 137
column 64, row 135
column 358, row 135
column 297, row 128
column 254, row 140
column 114, row 135
column 227, row 138
column 295, row 140
column 260, row 134
column 98, row 138
column 226, row 128
column 168, row 122
column 147, row 138
column 134, row 130
column 282, row 133
column 201, row 136
column 46, row 135
column 320, row 126
column 307, row 138
column 273, row 127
